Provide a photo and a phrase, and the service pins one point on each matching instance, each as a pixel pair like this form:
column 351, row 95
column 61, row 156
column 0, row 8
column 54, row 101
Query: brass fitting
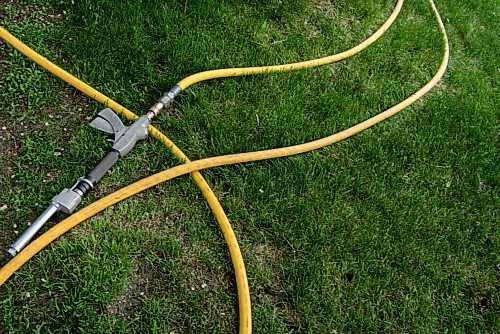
column 155, row 110
column 164, row 102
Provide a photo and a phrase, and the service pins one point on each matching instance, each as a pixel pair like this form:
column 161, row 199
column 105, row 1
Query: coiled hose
column 195, row 166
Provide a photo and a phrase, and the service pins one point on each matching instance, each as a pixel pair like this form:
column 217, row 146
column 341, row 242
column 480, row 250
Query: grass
column 394, row 230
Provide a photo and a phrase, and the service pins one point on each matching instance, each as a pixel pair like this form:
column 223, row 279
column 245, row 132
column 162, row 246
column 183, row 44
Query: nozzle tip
column 12, row 251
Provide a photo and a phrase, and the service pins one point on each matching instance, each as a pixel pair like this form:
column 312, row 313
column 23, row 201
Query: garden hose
column 241, row 279
column 195, row 166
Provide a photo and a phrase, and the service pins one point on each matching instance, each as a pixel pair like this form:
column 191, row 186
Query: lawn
column 392, row 231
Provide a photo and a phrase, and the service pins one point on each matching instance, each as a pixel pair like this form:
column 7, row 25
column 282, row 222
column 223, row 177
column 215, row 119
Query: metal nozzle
column 23, row 240
column 12, row 251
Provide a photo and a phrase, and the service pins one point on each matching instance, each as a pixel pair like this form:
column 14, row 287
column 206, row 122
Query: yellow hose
column 213, row 202
column 241, row 71
column 191, row 167
column 240, row 272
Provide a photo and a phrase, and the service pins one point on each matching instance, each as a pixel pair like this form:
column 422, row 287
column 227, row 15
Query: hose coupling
column 155, row 110
column 165, row 101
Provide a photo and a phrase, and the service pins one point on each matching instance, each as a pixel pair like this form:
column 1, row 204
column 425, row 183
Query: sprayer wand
column 124, row 139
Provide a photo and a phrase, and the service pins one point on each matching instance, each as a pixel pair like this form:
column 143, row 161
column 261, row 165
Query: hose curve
column 195, row 166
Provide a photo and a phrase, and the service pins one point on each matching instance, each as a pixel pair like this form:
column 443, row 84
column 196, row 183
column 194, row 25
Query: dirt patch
column 160, row 222
column 198, row 275
column 268, row 258
column 138, row 287
column 3, row 7
column 326, row 8
column 268, row 255
column 322, row 9
column 11, row 135
column 24, row 12
column 13, row 12
column 484, row 302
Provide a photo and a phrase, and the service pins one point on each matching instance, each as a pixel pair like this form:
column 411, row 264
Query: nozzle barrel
column 23, row 240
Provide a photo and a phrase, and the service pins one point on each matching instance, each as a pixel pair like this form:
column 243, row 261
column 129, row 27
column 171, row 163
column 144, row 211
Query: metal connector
column 165, row 101
column 66, row 201
column 155, row 110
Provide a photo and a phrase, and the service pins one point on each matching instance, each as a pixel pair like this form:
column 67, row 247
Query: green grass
column 392, row 231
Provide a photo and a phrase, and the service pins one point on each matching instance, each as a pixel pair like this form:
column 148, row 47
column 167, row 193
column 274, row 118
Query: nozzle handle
column 100, row 170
